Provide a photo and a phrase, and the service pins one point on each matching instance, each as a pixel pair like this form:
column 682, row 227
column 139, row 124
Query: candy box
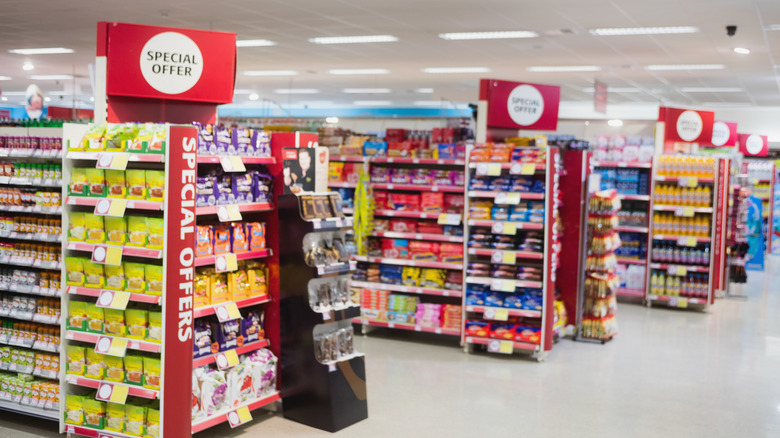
column 221, row 239
column 223, row 141
column 228, row 334
column 419, row 250
column 395, row 248
column 252, row 326
column 432, row 202
column 238, row 237
column 260, row 145
column 256, row 233
column 242, row 188
column 203, row 244
column 224, row 189
column 403, row 225
column 241, row 140
column 202, row 339
column 335, row 171
column 477, row 328
column 205, row 191
column 502, row 331
column 375, row 149
column 527, row 334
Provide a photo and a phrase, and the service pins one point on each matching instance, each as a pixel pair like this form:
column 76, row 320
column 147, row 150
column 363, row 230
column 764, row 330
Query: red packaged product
column 380, row 198
column 502, row 331
column 424, row 250
column 399, row 149
column 395, row 248
column 453, row 203
column 429, row 227
column 451, row 252
column 395, row 134
column 402, row 225
column 433, row 202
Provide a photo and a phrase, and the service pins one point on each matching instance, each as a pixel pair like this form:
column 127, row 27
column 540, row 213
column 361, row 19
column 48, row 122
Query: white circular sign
column 99, row 254
column 103, row 206
column 105, row 391
column 754, row 144
column 104, row 344
column 689, row 125
column 233, row 417
column 171, row 63
column 525, row 105
column 222, row 313
column 221, row 361
column 106, row 298
column 105, row 160
column 221, row 263
column 720, row 133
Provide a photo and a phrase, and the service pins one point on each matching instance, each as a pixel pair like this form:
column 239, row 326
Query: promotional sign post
column 678, row 130
column 505, row 107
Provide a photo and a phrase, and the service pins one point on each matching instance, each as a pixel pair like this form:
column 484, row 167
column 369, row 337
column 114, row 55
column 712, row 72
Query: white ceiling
column 290, row 23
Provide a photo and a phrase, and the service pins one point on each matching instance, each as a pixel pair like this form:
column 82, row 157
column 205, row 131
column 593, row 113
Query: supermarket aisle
column 669, row 373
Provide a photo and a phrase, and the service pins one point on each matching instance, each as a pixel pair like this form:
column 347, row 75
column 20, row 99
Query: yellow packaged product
column 151, row 373
column 202, row 289
column 115, row 417
column 116, row 230
column 96, row 179
column 154, row 332
column 258, row 278
column 138, row 233
column 156, row 227
column 136, row 183
column 239, row 285
column 94, row 276
column 115, row 368
column 152, row 423
column 142, row 139
column 77, row 315
column 134, row 369
column 74, row 409
column 95, row 230
column 134, row 275
column 76, row 226
column 115, row 322
column 96, row 365
column 94, row 413
column 136, row 320
column 95, row 318
column 159, row 139
column 155, row 185
column 76, row 357
column 154, row 279
column 335, row 171
column 115, row 277
column 74, row 267
column 93, row 139
column 135, row 420
column 117, row 186
column 219, row 288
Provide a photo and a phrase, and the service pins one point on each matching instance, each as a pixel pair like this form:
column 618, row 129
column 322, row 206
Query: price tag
column 496, row 314
column 111, row 207
column 688, row 181
column 677, row 270
column 490, row 169
column 227, row 312
column 503, row 285
column 111, row 346
column 239, row 416
column 228, row 213
column 687, row 241
column 115, row 161
column 684, row 211
column 226, row 262
column 227, row 359
column 505, row 257
column 504, row 228
column 107, row 255
column 109, row 392
column 522, row 169
column 113, row 299
column 232, row 164
column 449, row 219
column 503, row 347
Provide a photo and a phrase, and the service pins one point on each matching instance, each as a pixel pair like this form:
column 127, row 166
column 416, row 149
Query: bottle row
column 671, row 194
column 695, row 226
column 30, row 144
column 686, row 166
column 671, row 252
column 690, row 285
column 30, row 170
column 29, row 198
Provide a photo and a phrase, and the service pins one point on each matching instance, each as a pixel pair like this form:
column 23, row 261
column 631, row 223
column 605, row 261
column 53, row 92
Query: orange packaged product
column 221, row 239
column 204, row 246
column 239, row 241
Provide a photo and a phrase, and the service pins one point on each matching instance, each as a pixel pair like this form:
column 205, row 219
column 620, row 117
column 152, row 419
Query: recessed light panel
column 354, row 39
column 619, row 31
column 488, row 35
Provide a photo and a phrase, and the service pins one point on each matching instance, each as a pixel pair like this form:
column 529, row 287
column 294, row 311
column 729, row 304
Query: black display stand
column 326, row 396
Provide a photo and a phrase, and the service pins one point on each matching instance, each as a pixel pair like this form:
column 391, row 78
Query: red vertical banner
column 551, row 235
column 179, row 268
column 719, row 218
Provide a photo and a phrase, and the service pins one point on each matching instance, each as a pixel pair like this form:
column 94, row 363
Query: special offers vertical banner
column 179, row 268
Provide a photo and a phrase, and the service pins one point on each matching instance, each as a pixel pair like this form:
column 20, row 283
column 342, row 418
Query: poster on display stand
column 755, row 235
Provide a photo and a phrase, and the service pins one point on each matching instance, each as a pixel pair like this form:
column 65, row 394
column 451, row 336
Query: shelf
column 506, row 282
column 244, row 208
column 244, row 349
column 634, row 197
column 30, row 153
column 216, row 159
column 537, row 166
column 652, row 297
column 631, row 229
column 531, row 255
column 418, row 188
column 405, row 326
column 518, row 225
column 511, row 312
column 29, row 316
column 131, row 203
column 25, row 181
column 688, row 268
column 340, row 268
column 32, row 237
column 622, row 261
column 211, row 260
column 409, row 262
column 133, row 344
column 406, row 214
column 634, row 164
column 135, row 391
column 515, row 345
column 677, row 178
column 403, row 160
column 134, row 251
column 676, row 237
column 30, row 290
column 72, row 429
column 27, row 263
column 212, row 309
column 34, row 411
column 418, row 236
column 491, row 194
column 222, row 416
column 659, row 207
column 348, row 158
column 635, row 293
column 132, row 156
column 31, row 209
column 332, row 223
column 342, row 185
column 91, row 292
column 407, row 289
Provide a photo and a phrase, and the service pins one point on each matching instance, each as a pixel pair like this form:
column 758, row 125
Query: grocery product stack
column 761, row 176
column 511, row 247
column 599, row 303
column 30, row 255
column 737, row 239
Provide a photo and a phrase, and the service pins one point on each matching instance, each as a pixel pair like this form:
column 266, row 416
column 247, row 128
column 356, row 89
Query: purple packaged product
column 441, row 178
column 206, row 144
column 201, row 339
column 380, row 174
column 224, row 189
column 401, row 176
column 242, row 139
column 242, row 187
column 260, row 146
column 252, row 326
column 205, row 186
column 422, row 177
column 227, row 334
column 262, row 186
column 223, row 141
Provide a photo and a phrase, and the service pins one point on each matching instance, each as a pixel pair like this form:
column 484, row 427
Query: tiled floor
column 668, row 373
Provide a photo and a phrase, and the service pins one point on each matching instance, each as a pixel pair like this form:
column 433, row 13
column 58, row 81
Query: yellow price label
column 232, row 164
column 227, row 312
column 494, row 169
column 111, row 207
column 112, row 393
column 682, row 303
column 507, row 198
column 228, row 213
column 506, row 347
column 113, row 299
column 687, row 241
column 239, row 416
column 448, row 219
column 107, row 255
column 528, row 169
column 226, row 263
column 684, row 211
column 503, row 285
column 501, row 315
column 227, row 359
column 113, row 160
column 689, row 181
column 111, row 346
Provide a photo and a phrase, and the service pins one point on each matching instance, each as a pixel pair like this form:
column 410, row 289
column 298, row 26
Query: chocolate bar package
column 242, row 187
column 223, row 141
column 252, row 326
column 260, row 146
column 227, row 334
column 241, row 141
column 224, row 189
column 205, row 187
column 206, row 144
column 202, row 338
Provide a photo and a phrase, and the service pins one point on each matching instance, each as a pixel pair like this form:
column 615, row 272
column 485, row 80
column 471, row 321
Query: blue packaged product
column 514, row 301
column 475, row 298
column 375, row 149
column 494, row 299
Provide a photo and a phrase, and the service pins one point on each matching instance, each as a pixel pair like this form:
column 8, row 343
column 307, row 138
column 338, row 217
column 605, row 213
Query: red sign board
column 520, row 105
column 724, row 134
column 753, row 145
column 168, row 63
column 688, row 126
column 600, row 97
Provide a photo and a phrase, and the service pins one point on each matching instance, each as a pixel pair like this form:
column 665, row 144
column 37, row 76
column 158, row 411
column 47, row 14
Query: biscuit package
column 136, row 184
column 138, row 232
column 134, row 369
column 136, row 323
column 156, row 229
column 117, row 185
column 155, row 185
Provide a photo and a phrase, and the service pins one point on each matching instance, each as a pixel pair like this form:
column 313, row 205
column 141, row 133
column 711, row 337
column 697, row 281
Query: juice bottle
column 668, row 287
column 706, row 196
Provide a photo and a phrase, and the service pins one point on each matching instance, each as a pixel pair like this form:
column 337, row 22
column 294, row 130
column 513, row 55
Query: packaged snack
column 74, row 410
column 238, row 283
column 252, row 326
column 118, row 135
column 156, row 228
column 136, row 184
column 202, row 339
column 94, row 228
column 115, row 417
column 238, row 239
column 117, row 186
column 93, row 274
column 152, row 423
column 77, row 316
column 154, row 332
column 96, row 365
column 155, row 185
column 136, row 321
column 115, row 277
column 93, row 139
column 228, row 334
column 154, row 279
column 134, row 369
column 220, row 292
column 115, row 369
column 158, row 141
column 115, row 322
column 258, row 275
column 135, row 277
column 95, row 318
column 116, row 230
column 76, row 228
column 96, row 180
column 138, row 233
column 141, row 141
column 75, row 356
column 151, row 373
column 203, row 245
column 78, row 182
column 256, row 232
column 75, row 271
column 223, row 140
column 206, row 144
column 201, row 291
column 135, row 420
column 221, row 240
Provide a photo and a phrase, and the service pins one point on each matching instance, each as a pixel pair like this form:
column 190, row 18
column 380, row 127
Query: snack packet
column 154, row 279
column 134, row 369
column 156, row 228
column 138, row 232
column 76, row 227
column 78, row 182
column 135, row 420
column 74, row 410
column 155, row 185
column 75, row 355
column 154, row 333
column 93, row 139
column 95, row 230
column 151, row 373
column 115, row 368
column 93, row 274
column 116, row 230
column 115, row 322
column 95, row 318
column 96, row 179
column 115, row 277
column 115, row 417
column 96, row 365
column 117, row 185
column 136, row 320
column 74, row 266
column 136, row 183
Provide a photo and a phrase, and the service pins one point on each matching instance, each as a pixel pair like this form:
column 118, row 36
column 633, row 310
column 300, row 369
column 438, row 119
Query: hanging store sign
column 688, row 126
column 724, row 134
column 753, row 145
column 520, row 105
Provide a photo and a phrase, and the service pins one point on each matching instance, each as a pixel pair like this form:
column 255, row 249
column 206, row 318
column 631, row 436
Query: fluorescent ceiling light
column 43, row 51
column 28, row 66
column 615, row 122
column 366, row 90
column 47, row 99
column 51, row 77
column 13, row 93
column 331, row 119
column 372, row 102
column 562, row 68
column 658, row 67
column 424, row 90
column 711, row 89
column 359, row 71
column 617, row 31
column 296, row 91
column 60, row 93
column 428, row 102
column 270, row 73
column 488, row 35
column 254, row 96
column 615, row 90
column 5, row 78
column 354, row 39
column 738, row 104
column 91, row 99
column 444, row 70
column 741, row 50
column 254, row 43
